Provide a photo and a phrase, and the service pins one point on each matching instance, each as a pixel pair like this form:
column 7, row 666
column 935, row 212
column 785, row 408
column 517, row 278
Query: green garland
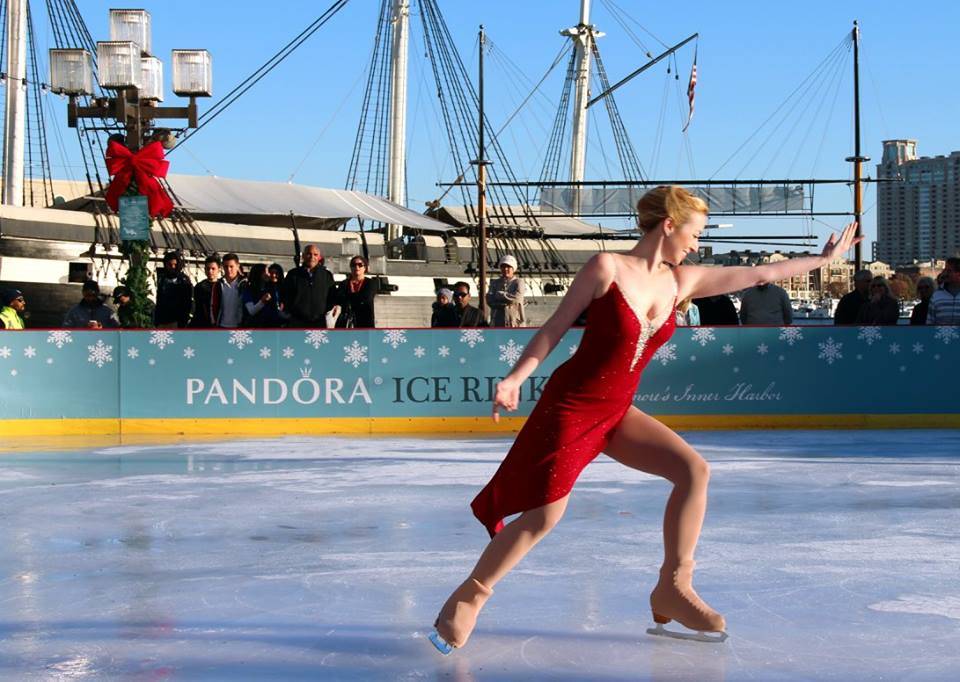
column 137, row 253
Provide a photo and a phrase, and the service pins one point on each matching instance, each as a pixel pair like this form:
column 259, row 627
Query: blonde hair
column 668, row 201
column 684, row 305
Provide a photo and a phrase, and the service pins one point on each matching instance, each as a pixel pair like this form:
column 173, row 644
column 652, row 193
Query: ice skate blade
column 440, row 643
column 712, row 637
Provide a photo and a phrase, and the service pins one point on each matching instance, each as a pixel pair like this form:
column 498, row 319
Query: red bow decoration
column 145, row 166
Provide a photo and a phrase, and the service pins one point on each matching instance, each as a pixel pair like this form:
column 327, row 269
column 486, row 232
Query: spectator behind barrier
column 945, row 302
column 688, row 314
column 882, row 308
column 91, row 312
column 467, row 315
column 765, row 304
column 848, row 309
column 206, row 296
column 925, row 289
column 355, row 296
column 122, row 299
column 307, row 291
column 444, row 313
column 230, row 293
column 505, row 296
column 717, row 311
column 12, row 306
column 262, row 302
column 174, row 294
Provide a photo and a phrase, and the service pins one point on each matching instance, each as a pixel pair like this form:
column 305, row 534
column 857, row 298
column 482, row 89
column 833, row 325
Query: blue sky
column 751, row 56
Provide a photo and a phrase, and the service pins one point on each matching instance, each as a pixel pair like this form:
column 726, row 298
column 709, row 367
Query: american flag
column 691, row 86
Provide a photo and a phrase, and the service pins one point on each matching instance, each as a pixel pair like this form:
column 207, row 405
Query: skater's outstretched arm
column 698, row 281
column 591, row 282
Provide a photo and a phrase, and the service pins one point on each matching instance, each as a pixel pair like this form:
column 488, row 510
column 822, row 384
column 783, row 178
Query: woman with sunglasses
column 355, row 297
column 881, row 307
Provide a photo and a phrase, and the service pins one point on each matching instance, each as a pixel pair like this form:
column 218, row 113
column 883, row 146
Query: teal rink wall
column 701, row 373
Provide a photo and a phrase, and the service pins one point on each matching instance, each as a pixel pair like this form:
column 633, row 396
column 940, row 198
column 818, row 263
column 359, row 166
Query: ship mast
column 14, row 120
column 857, row 159
column 396, row 180
column 583, row 36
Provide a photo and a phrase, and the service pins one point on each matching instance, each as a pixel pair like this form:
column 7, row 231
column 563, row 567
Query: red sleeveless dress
column 581, row 405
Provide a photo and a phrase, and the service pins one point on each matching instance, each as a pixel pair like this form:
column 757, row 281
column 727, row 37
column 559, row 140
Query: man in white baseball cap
column 505, row 296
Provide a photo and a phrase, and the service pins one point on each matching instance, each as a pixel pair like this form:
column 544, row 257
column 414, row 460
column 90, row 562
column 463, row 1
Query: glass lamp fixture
column 131, row 25
column 71, row 72
column 119, row 64
column 192, row 73
column 151, row 79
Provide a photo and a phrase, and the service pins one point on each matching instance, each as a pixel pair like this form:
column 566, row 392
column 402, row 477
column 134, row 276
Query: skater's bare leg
column 459, row 614
column 641, row 442
column 518, row 537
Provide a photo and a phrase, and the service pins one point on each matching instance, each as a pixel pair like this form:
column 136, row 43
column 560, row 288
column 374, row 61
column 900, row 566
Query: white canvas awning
column 239, row 200
column 513, row 217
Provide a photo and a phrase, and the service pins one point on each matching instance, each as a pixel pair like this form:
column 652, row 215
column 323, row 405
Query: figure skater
column 587, row 407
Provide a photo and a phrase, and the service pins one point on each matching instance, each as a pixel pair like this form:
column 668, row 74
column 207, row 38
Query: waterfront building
column 918, row 204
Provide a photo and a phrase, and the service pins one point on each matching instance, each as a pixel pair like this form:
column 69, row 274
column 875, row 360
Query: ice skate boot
column 675, row 599
column 459, row 616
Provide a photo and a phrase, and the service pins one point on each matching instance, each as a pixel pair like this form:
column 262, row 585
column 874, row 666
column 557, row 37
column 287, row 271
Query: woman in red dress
column 587, row 407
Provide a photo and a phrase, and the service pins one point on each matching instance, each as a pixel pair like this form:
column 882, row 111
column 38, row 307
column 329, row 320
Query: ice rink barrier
column 269, row 382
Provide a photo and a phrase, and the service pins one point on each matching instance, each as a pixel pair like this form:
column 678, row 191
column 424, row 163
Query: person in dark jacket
column 468, row 315
column 91, row 312
column 262, row 297
column 174, row 294
column 122, row 300
column 925, row 289
column 444, row 312
column 206, row 296
column 882, row 308
column 307, row 292
column 848, row 309
column 716, row 311
column 355, row 296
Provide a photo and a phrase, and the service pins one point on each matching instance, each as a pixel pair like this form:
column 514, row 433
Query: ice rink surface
column 833, row 555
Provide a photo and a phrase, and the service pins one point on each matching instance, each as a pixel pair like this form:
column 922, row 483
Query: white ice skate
column 696, row 636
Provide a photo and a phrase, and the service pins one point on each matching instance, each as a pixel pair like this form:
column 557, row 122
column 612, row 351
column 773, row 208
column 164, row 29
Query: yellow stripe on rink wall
column 133, row 429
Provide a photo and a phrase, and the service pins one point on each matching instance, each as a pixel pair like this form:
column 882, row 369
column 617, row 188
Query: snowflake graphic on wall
column 419, row 351
column 894, row 348
column 830, row 350
column 100, row 353
column 394, row 337
column 946, row 334
column 59, row 338
column 288, row 352
column 573, row 348
column 918, row 348
column 703, row 336
column 315, row 337
column 355, row 354
column 29, row 352
column 5, row 352
column 240, row 338
column 869, row 335
column 133, row 352
column 189, row 353
column 443, row 351
column 510, row 352
column 762, row 349
column 791, row 335
column 161, row 339
column 728, row 349
column 665, row 353
column 471, row 337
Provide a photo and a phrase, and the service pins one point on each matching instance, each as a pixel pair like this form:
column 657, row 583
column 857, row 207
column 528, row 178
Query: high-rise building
column 918, row 204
